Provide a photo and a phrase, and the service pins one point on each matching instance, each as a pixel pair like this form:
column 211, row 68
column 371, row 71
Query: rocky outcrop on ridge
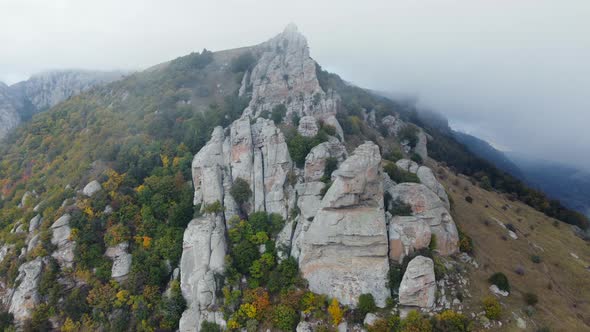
column 203, row 255
column 315, row 162
column 426, row 177
column 418, row 286
column 60, row 237
column 256, row 153
column 121, row 260
column 427, row 206
column 344, row 251
column 25, row 296
column 9, row 117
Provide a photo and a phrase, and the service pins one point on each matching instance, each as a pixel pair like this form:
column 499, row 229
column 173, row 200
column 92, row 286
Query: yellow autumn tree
column 70, row 326
column 335, row 312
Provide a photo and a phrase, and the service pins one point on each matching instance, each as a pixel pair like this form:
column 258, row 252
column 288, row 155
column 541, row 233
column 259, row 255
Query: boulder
column 315, row 161
column 392, row 124
column 408, row 165
column 420, row 147
column 304, row 326
column 25, row 297
column 33, row 242
column 92, row 188
column 4, row 250
column 308, row 126
column 497, row 291
column 121, row 260
column 428, row 179
column 203, row 258
column 344, row 251
column 428, row 206
column 370, row 319
column 60, row 237
column 34, row 223
column 418, row 286
column 406, row 235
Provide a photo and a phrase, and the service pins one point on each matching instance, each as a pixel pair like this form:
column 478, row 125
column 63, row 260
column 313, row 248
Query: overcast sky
column 513, row 72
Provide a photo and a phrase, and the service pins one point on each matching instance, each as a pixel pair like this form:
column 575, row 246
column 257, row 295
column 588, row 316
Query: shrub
column 284, row 318
column 335, row 312
column 492, row 307
column 519, row 270
column 366, row 304
column 210, row 327
column 415, row 322
column 278, row 113
column 536, row 259
column 449, row 320
column 469, row 199
column 398, row 175
column 530, row 298
column 213, row 207
column 6, row 320
column 242, row 62
column 240, row 191
column 499, row 279
column 410, row 134
column 465, row 242
column 399, row 208
column 329, row 168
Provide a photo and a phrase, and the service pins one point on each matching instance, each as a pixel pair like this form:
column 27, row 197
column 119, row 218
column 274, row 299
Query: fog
column 515, row 73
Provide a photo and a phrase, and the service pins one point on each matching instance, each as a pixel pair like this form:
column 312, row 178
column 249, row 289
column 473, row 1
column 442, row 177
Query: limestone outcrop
column 427, row 206
column 60, row 237
column 25, row 296
column 308, row 126
column 315, row 161
column 121, row 260
column 256, row 153
column 344, row 252
column 92, row 188
column 418, row 286
column 203, row 254
column 406, row 235
column 426, row 177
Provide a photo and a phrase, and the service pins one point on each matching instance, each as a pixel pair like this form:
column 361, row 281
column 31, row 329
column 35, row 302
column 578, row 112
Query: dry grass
column 561, row 281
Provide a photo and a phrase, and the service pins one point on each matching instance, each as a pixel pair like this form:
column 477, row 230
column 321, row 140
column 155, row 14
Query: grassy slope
column 564, row 307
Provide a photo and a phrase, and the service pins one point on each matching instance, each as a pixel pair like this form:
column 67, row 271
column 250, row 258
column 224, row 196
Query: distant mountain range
column 20, row 101
column 559, row 181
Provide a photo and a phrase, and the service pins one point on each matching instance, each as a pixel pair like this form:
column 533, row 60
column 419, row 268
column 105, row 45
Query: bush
column 415, row 322
column 536, row 259
column 335, row 312
column 499, row 279
column 366, row 304
column 213, row 207
column 240, row 191
column 469, row 199
column 278, row 113
column 284, row 317
column 449, row 320
column 410, row 134
column 398, row 175
column 210, row 327
column 492, row 307
column 530, row 298
column 416, row 158
column 243, row 62
column 465, row 242
column 399, row 208
column 6, row 320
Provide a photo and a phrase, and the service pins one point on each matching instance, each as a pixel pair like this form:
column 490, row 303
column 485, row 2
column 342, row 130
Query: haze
column 515, row 73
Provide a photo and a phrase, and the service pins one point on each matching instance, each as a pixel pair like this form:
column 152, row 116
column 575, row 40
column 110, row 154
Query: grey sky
column 516, row 73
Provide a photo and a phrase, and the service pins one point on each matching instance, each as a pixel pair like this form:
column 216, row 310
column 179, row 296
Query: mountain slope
column 20, row 101
column 233, row 189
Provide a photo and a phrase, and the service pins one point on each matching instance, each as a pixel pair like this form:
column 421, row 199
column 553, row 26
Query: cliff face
column 22, row 100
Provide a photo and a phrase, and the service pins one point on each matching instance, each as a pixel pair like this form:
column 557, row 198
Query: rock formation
column 406, row 235
column 429, row 207
column 92, row 188
column 25, row 296
column 315, row 161
column 344, row 251
column 203, row 254
column 418, row 286
column 121, row 260
column 426, row 177
column 60, row 237
column 256, row 153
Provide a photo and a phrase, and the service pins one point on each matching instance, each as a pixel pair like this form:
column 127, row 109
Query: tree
column 240, row 191
column 335, row 312
column 492, row 307
column 499, row 279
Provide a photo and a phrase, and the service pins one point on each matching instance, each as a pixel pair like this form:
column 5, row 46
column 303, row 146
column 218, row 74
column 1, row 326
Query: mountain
column 250, row 189
column 20, row 101
column 484, row 150
column 566, row 183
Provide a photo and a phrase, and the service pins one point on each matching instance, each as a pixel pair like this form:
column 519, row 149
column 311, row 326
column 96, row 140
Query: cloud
column 515, row 72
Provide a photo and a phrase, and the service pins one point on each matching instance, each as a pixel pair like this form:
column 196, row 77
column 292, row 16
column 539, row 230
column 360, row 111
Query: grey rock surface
column 25, row 297
column 121, row 260
column 418, row 286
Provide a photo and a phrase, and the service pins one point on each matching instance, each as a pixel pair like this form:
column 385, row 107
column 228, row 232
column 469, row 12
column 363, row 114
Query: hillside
column 249, row 189
column 20, row 101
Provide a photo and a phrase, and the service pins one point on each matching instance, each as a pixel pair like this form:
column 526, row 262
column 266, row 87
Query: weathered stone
column 203, row 256
column 344, row 250
column 92, row 188
column 61, row 238
column 304, row 326
column 418, row 286
column 497, row 291
column 429, row 207
column 408, row 165
column 315, row 161
column 33, row 242
column 121, row 260
column 308, row 126
column 406, row 235
column 428, row 179
column 420, row 147
column 25, row 297
column 370, row 319
column 34, row 223
column 393, row 124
